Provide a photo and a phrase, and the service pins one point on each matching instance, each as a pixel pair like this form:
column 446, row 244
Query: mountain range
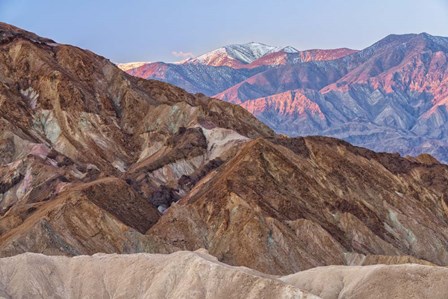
column 94, row 160
column 392, row 96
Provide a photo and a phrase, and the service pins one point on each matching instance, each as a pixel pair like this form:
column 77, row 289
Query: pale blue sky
column 152, row 30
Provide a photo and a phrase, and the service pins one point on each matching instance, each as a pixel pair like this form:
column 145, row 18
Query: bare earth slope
column 179, row 275
column 199, row 275
column 379, row 281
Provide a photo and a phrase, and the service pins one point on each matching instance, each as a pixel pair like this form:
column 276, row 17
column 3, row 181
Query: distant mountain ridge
column 391, row 96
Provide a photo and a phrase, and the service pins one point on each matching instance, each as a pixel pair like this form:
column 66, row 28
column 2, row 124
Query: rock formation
column 95, row 160
column 86, row 148
column 310, row 202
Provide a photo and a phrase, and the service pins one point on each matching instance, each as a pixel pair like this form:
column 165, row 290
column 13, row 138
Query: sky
column 171, row 30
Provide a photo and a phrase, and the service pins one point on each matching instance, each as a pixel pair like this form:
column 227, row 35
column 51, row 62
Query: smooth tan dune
column 378, row 281
column 178, row 275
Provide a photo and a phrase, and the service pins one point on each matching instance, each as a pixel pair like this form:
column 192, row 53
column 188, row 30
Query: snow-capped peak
column 238, row 55
column 290, row 50
column 234, row 55
column 249, row 52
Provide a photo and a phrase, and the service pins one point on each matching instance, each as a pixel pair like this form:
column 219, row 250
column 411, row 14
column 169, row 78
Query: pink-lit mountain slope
column 223, row 68
column 391, row 96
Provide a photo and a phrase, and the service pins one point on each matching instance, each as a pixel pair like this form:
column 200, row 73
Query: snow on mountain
column 131, row 65
column 391, row 96
column 253, row 55
column 290, row 50
column 218, row 57
column 250, row 51
column 235, row 55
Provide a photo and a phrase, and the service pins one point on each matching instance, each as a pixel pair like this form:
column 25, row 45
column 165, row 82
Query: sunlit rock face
column 391, row 96
column 95, row 160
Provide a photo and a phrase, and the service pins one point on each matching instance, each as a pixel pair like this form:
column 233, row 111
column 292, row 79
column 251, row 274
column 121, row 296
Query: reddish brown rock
column 309, row 202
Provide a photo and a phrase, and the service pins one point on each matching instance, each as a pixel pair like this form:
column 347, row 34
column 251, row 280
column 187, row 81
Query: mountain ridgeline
column 391, row 96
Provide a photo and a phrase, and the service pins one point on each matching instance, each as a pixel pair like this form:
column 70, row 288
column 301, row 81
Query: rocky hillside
column 199, row 275
column 95, row 160
column 391, row 96
column 311, row 202
column 88, row 153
